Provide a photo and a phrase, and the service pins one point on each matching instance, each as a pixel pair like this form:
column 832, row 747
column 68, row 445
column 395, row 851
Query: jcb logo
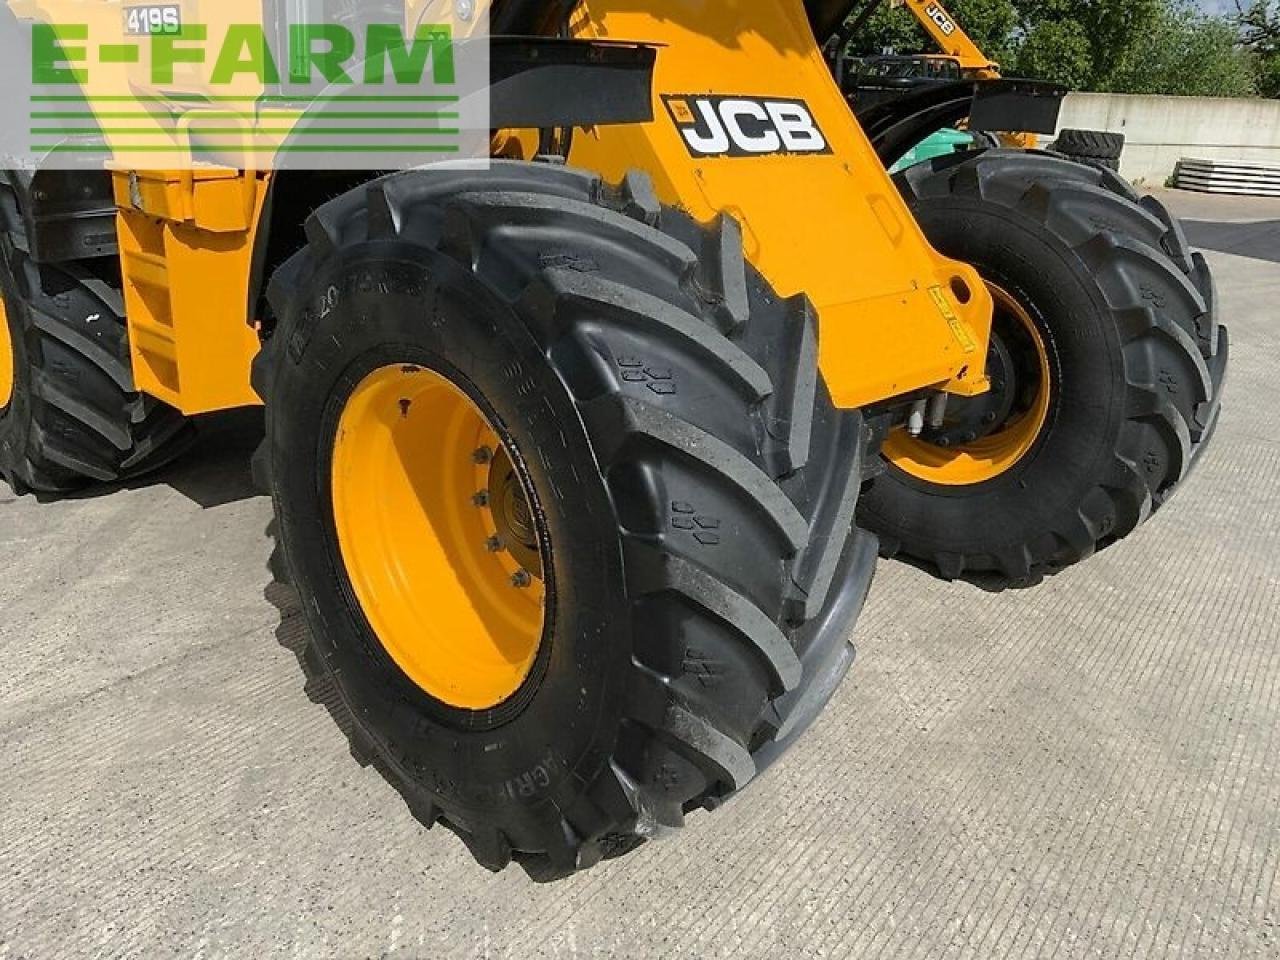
column 745, row 126
column 939, row 16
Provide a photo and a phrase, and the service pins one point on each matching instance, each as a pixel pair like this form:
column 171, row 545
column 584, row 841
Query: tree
column 1116, row 46
column 1083, row 43
column 1187, row 54
column 1060, row 51
column 1259, row 24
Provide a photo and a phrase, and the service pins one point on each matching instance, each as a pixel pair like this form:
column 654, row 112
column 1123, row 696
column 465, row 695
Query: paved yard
column 1088, row 769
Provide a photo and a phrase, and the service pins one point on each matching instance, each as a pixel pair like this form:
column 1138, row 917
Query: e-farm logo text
column 374, row 94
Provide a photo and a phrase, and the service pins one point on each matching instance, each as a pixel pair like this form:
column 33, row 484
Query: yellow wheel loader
column 581, row 459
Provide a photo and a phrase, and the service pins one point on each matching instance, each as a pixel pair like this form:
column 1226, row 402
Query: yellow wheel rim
column 7, row 363
column 1003, row 449
column 437, row 537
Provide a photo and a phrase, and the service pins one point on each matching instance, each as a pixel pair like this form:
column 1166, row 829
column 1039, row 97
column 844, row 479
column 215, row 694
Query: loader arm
column 749, row 122
column 951, row 38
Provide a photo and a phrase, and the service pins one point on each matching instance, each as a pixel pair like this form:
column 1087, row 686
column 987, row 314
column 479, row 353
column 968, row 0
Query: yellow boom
column 950, row 37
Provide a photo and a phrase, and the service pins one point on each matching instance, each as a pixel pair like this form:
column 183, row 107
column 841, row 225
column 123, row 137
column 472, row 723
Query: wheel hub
column 972, row 418
column 984, row 437
column 512, row 515
column 437, row 537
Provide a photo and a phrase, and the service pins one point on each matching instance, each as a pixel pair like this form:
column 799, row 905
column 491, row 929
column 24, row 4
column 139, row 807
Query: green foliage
column 1269, row 76
column 1259, row 23
column 1083, row 43
column 1119, row 46
column 1057, row 50
column 1187, row 54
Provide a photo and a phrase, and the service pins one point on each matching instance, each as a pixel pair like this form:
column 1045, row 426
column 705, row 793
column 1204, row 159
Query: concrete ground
column 1088, row 769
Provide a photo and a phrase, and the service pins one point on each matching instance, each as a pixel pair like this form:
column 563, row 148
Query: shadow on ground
column 1259, row 240
column 213, row 472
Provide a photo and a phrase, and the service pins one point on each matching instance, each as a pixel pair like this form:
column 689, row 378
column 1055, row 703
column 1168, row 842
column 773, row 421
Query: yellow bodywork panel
column 895, row 316
column 186, row 238
column 186, row 252
column 134, row 111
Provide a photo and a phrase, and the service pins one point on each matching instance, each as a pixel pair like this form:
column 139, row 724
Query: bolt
column 465, row 9
column 481, row 499
column 989, row 418
column 482, row 455
column 970, row 437
column 495, row 544
column 521, row 579
column 944, row 441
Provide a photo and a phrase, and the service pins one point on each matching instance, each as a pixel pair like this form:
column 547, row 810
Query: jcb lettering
column 745, row 126
column 939, row 16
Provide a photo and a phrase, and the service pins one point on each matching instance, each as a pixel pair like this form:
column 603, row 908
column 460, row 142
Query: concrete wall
column 1163, row 130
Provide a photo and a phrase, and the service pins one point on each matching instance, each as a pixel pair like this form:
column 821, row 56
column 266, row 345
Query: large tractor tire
column 69, row 412
column 566, row 503
column 1107, row 363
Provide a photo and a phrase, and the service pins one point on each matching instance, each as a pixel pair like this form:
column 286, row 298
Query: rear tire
column 694, row 485
column 1137, row 358
column 74, row 416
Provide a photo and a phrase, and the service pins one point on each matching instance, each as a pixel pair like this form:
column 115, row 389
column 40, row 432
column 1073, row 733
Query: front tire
column 692, row 487
column 1133, row 356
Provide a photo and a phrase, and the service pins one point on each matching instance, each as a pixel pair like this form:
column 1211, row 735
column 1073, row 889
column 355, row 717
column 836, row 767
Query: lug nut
column 495, row 545
column 482, row 455
column 481, row 499
column 521, row 579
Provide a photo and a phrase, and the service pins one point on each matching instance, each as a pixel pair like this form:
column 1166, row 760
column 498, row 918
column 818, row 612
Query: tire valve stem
column 915, row 423
column 482, row 455
column 521, row 579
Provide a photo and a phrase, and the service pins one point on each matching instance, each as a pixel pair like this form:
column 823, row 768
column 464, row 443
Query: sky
column 1217, row 6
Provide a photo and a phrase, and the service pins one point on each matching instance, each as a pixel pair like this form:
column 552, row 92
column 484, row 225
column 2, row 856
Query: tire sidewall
column 391, row 303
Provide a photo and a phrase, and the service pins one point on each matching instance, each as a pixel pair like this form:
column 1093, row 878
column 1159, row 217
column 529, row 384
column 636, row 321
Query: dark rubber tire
column 1091, row 145
column 1138, row 359
column 1112, row 165
column 75, row 417
column 697, row 487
